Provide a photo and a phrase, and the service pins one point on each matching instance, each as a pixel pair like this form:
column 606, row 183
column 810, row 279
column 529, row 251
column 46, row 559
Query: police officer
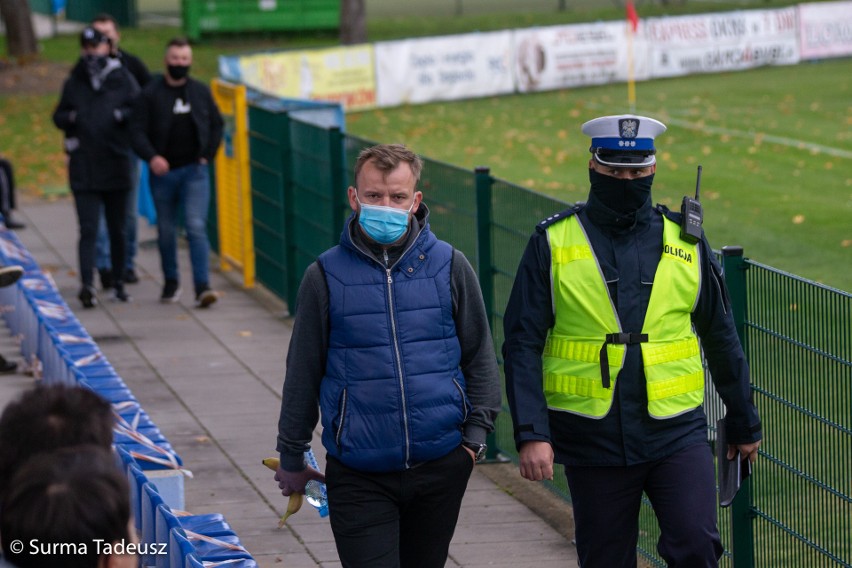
column 603, row 366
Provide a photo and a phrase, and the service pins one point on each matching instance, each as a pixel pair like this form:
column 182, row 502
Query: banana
column 293, row 506
column 296, row 499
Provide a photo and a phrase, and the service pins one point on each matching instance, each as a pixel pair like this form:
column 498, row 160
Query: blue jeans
column 102, row 256
column 186, row 189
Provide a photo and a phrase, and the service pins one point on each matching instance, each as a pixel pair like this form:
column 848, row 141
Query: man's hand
column 159, row 165
column 536, row 460
column 746, row 451
column 470, row 452
column 294, row 481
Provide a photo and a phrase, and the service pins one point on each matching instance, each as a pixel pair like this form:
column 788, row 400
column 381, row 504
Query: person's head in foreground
column 68, row 508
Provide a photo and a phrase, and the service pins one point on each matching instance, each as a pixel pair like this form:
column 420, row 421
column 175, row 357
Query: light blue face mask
column 385, row 225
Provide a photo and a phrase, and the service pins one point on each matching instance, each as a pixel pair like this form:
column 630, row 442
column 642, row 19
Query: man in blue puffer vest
column 391, row 344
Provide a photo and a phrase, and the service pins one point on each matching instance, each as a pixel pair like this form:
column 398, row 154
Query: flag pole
column 632, row 25
column 631, row 79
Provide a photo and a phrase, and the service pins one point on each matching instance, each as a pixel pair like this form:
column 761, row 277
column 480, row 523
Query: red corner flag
column 632, row 16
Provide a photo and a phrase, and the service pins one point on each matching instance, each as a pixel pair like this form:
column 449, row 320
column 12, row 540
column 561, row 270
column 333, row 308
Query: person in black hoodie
column 94, row 112
column 177, row 130
column 107, row 25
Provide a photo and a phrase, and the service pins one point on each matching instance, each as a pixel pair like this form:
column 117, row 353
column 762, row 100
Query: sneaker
column 88, row 297
column 12, row 224
column 171, row 292
column 10, row 274
column 130, row 276
column 7, row 366
column 120, row 295
column 107, row 280
column 205, row 298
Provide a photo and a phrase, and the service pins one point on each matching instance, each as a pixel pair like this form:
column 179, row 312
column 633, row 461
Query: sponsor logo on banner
column 344, row 75
column 728, row 41
column 444, row 68
column 557, row 57
column 825, row 29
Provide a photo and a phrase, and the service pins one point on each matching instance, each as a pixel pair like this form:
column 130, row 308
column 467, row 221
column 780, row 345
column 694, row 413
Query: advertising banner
column 727, row 41
column 343, row 74
column 575, row 55
column 825, row 29
column 443, row 68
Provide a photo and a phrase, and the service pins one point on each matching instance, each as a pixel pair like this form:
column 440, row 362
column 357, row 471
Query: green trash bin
column 229, row 16
column 124, row 11
column 41, row 7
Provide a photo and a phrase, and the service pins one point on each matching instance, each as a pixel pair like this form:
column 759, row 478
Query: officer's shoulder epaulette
column 668, row 213
column 564, row 214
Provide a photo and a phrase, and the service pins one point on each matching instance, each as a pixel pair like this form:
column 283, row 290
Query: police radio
column 692, row 215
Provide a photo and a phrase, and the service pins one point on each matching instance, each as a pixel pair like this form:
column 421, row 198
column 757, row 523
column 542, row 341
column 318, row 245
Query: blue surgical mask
column 385, row 225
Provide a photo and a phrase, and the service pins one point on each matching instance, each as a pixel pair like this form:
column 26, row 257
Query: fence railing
column 797, row 508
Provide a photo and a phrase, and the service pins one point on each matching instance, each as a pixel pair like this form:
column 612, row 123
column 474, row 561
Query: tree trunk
column 353, row 22
column 20, row 34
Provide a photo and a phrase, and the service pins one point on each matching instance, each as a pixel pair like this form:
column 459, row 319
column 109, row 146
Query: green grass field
column 775, row 143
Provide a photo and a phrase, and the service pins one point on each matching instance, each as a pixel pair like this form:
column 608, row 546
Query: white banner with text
column 727, row 41
column 443, row 68
column 559, row 57
column 825, row 29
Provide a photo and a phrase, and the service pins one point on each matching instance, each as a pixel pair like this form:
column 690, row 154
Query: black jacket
column 97, row 133
column 153, row 119
column 136, row 67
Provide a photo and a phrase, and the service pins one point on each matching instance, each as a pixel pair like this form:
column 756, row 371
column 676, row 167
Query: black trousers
column 88, row 212
column 397, row 520
column 7, row 187
column 682, row 490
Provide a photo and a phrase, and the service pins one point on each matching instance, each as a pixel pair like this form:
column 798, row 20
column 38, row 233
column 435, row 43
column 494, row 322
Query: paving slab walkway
column 211, row 381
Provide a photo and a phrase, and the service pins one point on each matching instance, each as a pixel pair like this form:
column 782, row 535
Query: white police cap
column 624, row 140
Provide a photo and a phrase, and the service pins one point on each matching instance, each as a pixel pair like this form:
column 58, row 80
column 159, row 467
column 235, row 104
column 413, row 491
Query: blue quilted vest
column 393, row 395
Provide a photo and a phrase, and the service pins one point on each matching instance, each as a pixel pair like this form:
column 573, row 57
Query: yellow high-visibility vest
column 585, row 349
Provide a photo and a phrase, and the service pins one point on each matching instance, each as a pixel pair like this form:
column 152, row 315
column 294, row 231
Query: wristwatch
column 477, row 449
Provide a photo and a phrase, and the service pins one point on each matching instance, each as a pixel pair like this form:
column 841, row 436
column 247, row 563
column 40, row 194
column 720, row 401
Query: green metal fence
column 798, row 339
column 796, row 508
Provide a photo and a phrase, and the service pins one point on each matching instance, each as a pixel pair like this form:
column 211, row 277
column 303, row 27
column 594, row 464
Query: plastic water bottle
column 315, row 492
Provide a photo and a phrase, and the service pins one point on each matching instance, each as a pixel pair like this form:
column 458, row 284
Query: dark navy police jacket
column 627, row 435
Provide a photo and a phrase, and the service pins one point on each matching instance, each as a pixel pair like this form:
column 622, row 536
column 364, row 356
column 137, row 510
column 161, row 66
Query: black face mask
column 95, row 63
column 178, row 72
column 623, row 196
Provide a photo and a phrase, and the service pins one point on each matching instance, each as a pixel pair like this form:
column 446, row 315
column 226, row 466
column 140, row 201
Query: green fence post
column 338, row 200
column 742, row 529
column 289, row 247
column 484, row 183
